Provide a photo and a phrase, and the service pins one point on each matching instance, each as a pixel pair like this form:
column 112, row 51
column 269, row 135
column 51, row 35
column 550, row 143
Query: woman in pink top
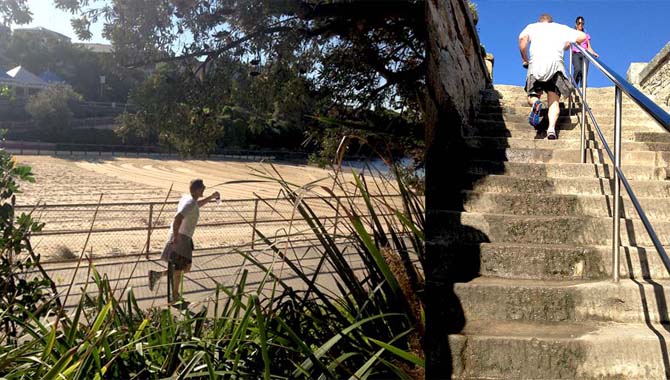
column 577, row 57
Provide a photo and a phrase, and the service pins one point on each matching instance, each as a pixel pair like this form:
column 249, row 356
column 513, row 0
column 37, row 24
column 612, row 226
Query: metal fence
column 115, row 229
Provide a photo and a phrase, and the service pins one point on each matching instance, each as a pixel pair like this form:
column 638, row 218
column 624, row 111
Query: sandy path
column 123, row 179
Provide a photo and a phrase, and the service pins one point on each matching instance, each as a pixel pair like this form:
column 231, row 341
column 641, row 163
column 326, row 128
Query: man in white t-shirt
column 178, row 250
column 546, row 70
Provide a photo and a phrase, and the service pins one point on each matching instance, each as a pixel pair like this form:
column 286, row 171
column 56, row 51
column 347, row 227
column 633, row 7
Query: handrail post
column 617, row 184
column 583, row 139
column 572, row 93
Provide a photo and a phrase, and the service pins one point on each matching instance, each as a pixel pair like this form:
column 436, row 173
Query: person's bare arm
column 176, row 223
column 588, row 47
column 214, row 196
column 523, row 49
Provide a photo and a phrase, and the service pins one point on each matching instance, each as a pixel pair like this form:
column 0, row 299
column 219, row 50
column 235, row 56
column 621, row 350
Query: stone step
column 473, row 227
column 657, row 162
column 565, row 124
column 563, row 170
column 496, row 350
column 509, row 142
column 565, row 262
column 602, row 112
column 599, row 206
column 628, row 301
column 565, row 131
column 520, row 115
column 602, row 101
column 549, row 185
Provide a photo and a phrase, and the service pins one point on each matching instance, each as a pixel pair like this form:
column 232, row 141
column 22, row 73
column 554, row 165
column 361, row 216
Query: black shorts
column 181, row 255
column 181, row 262
column 557, row 83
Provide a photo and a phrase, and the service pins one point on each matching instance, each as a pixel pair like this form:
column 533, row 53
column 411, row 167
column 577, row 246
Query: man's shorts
column 557, row 83
column 181, row 255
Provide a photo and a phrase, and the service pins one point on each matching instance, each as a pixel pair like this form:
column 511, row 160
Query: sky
column 622, row 31
column 47, row 16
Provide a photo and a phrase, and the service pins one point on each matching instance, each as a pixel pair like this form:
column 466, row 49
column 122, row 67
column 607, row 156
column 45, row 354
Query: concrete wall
column 654, row 78
column 456, row 76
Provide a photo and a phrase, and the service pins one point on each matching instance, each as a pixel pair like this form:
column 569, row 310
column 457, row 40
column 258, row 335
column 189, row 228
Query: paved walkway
column 209, row 268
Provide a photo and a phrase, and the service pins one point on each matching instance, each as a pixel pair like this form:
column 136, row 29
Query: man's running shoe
column 534, row 117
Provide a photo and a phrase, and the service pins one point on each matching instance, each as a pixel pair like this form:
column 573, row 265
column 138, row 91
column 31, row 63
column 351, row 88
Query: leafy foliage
column 51, row 107
column 15, row 11
column 22, row 294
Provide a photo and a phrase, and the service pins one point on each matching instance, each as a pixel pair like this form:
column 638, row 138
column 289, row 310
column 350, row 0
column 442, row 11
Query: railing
column 121, row 229
column 651, row 109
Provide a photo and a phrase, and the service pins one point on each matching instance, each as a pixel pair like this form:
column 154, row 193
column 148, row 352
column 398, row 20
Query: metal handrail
column 651, row 109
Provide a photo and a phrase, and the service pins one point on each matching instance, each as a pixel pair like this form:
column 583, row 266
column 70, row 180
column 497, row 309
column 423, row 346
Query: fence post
column 149, row 224
column 337, row 217
column 253, row 223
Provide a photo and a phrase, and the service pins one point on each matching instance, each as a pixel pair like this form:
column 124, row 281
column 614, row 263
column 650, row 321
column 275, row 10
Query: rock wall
column 456, row 76
column 654, row 78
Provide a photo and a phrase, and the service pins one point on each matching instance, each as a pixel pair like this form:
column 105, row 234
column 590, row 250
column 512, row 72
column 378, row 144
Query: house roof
column 51, row 77
column 25, row 78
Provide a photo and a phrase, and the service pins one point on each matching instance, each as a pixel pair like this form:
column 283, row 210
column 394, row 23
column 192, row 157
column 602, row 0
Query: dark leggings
column 577, row 62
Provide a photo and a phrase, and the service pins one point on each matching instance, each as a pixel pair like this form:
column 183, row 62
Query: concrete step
column 565, row 262
column 549, row 185
column 603, row 117
column 473, row 227
column 565, row 131
column 657, row 162
column 628, row 301
column 598, row 206
column 509, row 142
column 563, row 170
column 566, row 124
column 488, row 350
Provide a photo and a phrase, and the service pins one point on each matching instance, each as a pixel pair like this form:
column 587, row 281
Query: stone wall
column 654, row 78
column 456, row 76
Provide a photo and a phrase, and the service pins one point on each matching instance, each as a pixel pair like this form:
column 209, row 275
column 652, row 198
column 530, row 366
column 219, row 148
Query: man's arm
column 581, row 37
column 523, row 49
column 176, row 223
column 214, row 196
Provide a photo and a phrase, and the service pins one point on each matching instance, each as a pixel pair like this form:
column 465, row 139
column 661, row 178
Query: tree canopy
column 346, row 58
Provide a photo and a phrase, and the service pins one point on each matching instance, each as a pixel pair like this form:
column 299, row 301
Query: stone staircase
column 544, row 305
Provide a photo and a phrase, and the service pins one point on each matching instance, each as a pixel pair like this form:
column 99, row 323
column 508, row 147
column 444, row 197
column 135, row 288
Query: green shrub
column 22, row 293
column 51, row 108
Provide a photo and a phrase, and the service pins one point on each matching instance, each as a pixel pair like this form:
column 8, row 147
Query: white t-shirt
column 188, row 208
column 547, row 44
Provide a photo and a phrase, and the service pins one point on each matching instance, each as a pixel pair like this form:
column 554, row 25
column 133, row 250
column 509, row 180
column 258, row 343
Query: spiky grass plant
column 355, row 313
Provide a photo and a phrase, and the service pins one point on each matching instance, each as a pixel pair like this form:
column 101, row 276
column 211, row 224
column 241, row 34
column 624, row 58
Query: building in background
column 95, row 48
column 45, row 35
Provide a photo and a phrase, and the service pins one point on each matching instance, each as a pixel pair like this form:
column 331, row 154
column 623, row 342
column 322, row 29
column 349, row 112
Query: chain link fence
column 116, row 229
